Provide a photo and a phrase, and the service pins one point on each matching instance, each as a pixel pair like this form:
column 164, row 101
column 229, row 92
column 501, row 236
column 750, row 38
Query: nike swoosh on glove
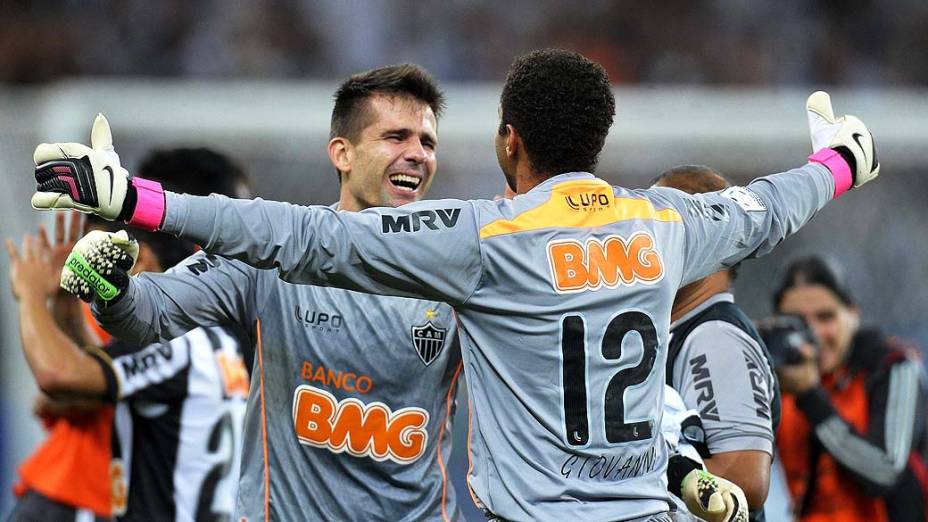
column 847, row 135
column 88, row 179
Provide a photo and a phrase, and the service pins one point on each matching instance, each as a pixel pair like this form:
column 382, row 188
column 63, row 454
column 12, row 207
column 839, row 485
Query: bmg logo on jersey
column 363, row 430
column 613, row 261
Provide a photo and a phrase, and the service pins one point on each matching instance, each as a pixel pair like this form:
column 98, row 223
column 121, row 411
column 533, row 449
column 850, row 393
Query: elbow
column 51, row 381
column 750, row 470
column 878, row 479
column 61, row 381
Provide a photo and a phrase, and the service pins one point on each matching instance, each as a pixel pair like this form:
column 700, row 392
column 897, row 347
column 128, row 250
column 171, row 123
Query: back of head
column 196, row 171
column 562, row 106
column 351, row 115
column 692, row 179
column 812, row 271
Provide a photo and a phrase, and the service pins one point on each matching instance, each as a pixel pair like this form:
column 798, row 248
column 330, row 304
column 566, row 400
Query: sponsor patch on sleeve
column 745, row 198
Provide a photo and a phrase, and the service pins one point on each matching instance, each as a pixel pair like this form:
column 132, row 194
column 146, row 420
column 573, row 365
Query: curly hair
column 562, row 105
column 350, row 115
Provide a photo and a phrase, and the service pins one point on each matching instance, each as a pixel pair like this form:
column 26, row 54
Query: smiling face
column 833, row 322
column 392, row 161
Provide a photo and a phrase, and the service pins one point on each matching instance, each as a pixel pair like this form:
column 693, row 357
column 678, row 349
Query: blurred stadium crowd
column 856, row 42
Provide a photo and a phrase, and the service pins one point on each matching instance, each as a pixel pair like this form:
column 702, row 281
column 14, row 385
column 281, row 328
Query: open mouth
column 405, row 181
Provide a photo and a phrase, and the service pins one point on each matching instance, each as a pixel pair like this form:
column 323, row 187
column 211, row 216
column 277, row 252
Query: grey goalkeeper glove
column 99, row 264
column 713, row 498
column 847, row 135
column 91, row 180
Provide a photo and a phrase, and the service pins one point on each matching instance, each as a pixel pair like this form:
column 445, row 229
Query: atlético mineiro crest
column 428, row 341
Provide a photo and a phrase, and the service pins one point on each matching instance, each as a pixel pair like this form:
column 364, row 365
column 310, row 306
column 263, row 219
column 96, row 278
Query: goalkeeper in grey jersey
column 370, row 380
column 562, row 294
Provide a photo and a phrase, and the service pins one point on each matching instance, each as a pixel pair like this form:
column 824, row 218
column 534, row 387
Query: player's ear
column 147, row 260
column 341, row 153
column 513, row 141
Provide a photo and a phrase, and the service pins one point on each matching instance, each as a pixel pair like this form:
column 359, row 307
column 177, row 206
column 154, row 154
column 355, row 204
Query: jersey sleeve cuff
column 746, row 442
column 108, row 313
column 816, row 405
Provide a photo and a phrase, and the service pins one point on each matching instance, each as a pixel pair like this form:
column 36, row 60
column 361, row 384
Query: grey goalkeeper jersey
column 563, row 300
column 352, row 395
column 721, row 371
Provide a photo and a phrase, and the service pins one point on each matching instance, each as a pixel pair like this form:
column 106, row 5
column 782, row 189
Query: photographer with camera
column 852, row 433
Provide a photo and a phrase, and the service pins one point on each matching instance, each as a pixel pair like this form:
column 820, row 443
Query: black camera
column 784, row 335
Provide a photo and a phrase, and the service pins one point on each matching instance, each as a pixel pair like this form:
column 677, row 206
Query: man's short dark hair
column 196, row 171
column 351, row 113
column 562, row 105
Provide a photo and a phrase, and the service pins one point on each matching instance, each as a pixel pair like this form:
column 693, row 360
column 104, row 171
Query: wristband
column 678, row 467
column 149, row 205
column 837, row 165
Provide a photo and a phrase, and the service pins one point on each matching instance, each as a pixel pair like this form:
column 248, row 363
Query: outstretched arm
column 59, row 365
column 390, row 250
column 722, row 228
column 428, row 249
column 202, row 290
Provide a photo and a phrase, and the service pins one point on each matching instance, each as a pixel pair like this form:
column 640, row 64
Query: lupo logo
column 319, row 320
column 587, row 201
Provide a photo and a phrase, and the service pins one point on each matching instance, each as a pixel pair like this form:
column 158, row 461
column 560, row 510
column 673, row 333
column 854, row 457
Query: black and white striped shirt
column 178, row 426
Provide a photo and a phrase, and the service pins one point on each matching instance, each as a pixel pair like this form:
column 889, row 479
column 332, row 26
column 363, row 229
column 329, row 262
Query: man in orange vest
column 852, row 433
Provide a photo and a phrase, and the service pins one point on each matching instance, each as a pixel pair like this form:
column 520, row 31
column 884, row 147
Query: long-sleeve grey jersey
column 563, row 300
column 349, row 411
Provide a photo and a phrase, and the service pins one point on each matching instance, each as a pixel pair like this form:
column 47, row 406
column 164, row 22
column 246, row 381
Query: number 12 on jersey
column 573, row 350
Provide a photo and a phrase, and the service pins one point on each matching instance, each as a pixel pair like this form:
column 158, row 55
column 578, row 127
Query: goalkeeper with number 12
column 562, row 294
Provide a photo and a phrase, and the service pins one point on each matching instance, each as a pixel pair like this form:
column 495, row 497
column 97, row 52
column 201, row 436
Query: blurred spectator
column 676, row 41
column 852, row 436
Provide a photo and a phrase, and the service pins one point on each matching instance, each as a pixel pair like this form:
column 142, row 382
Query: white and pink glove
column 91, row 180
column 844, row 144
